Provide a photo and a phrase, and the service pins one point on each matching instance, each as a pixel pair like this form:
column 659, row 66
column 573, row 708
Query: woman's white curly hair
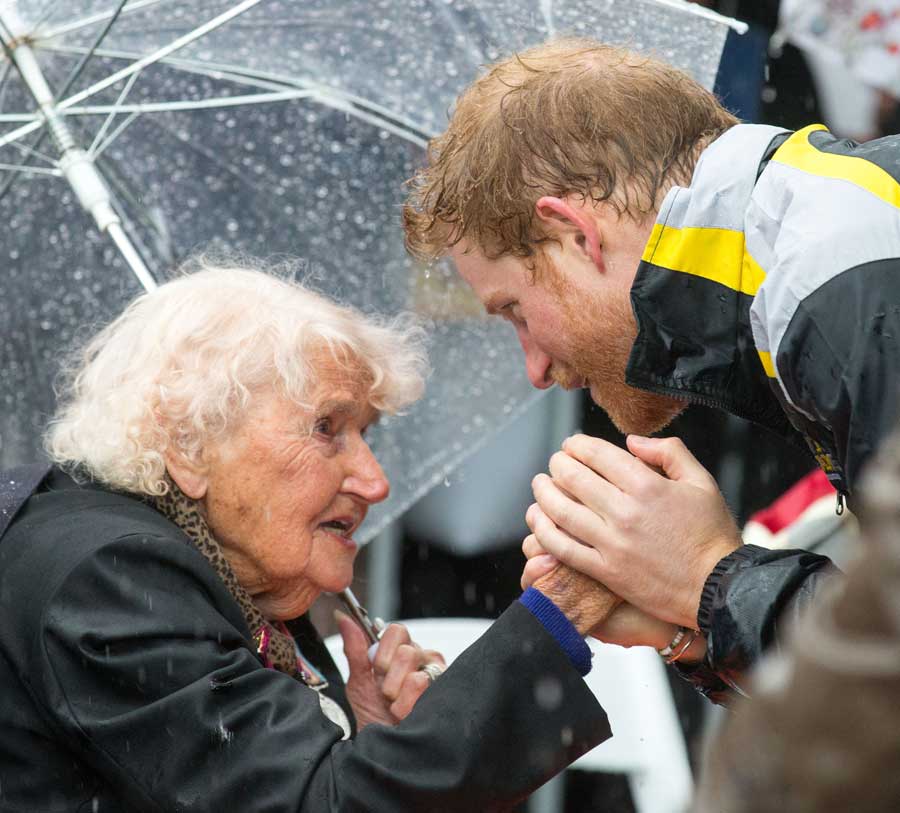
column 180, row 365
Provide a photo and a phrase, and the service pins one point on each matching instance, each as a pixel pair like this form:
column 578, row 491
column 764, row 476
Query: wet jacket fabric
column 129, row 681
column 771, row 288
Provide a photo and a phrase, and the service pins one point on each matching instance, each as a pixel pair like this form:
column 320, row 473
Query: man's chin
column 639, row 412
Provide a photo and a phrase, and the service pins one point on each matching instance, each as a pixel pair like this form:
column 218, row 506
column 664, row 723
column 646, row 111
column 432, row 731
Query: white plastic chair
column 631, row 684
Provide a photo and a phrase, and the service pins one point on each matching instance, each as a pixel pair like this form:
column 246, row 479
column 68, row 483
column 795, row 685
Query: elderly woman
column 155, row 654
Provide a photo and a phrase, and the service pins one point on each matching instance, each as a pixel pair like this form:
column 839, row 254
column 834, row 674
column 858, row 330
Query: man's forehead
column 494, row 281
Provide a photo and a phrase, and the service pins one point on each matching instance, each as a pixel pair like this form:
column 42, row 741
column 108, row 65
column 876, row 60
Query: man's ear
column 562, row 215
column 191, row 477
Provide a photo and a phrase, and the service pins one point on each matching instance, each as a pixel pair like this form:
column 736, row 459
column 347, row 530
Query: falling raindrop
column 225, row 734
column 548, row 693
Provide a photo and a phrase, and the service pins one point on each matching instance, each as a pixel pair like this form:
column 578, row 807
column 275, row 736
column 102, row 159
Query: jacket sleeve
column 148, row 678
column 751, row 595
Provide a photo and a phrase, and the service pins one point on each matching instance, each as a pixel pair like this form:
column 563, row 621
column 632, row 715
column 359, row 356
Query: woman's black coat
column 129, row 682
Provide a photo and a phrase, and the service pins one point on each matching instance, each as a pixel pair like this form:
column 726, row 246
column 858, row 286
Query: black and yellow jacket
column 771, row 288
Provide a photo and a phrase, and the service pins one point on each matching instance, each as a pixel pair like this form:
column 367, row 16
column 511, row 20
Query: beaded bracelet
column 678, row 645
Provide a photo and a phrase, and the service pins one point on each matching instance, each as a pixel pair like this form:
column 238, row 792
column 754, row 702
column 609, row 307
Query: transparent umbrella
column 133, row 133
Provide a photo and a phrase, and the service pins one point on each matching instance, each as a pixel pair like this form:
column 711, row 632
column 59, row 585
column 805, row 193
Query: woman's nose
column 366, row 478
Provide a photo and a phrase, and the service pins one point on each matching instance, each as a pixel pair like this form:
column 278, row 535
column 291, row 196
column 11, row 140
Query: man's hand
column 653, row 522
column 626, row 626
column 385, row 690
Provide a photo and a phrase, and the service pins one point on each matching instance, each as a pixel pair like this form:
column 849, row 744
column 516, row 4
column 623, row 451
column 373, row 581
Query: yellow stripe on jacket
column 797, row 152
column 714, row 254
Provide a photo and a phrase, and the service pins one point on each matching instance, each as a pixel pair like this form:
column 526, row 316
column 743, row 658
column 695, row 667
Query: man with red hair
column 646, row 245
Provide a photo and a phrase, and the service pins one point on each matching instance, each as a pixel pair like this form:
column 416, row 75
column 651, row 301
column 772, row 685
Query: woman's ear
column 191, row 477
column 564, row 218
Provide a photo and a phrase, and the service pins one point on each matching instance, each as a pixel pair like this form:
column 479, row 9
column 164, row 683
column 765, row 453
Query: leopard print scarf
column 273, row 643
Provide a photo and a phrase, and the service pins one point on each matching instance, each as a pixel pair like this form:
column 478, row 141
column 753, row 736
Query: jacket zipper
column 707, row 401
column 694, row 398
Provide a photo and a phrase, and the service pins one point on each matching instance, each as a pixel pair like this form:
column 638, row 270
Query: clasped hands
column 647, row 524
column 622, row 541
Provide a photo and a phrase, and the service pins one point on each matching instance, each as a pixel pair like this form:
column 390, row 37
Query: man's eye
column 323, row 426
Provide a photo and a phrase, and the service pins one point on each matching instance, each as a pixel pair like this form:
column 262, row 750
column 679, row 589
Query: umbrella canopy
column 274, row 129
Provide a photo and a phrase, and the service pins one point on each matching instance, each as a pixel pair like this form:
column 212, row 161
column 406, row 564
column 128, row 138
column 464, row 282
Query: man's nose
column 366, row 478
column 537, row 362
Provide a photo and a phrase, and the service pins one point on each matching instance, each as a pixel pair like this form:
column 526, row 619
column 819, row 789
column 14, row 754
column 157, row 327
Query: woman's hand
column 385, row 689
column 627, row 626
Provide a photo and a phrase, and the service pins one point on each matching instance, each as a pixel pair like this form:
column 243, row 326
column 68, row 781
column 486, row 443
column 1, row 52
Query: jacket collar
column 695, row 283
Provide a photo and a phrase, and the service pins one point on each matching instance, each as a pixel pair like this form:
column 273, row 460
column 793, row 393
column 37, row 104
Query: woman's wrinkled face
column 289, row 487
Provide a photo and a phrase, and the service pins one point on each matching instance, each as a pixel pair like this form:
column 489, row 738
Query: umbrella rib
column 259, row 98
column 4, row 81
column 199, row 104
column 330, row 100
column 112, row 113
column 174, row 106
column 77, row 25
column 71, row 79
column 213, row 70
column 24, row 130
column 142, row 63
column 24, row 148
column 30, row 170
column 120, row 189
column 346, row 103
column 98, row 41
column 46, row 12
column 161, row 53
column 262, row 79
column 347, row 106
column 709, row 14
column 99, row 150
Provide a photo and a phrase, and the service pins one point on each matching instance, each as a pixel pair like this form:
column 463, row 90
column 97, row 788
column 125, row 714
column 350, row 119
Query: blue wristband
column 556, row 623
